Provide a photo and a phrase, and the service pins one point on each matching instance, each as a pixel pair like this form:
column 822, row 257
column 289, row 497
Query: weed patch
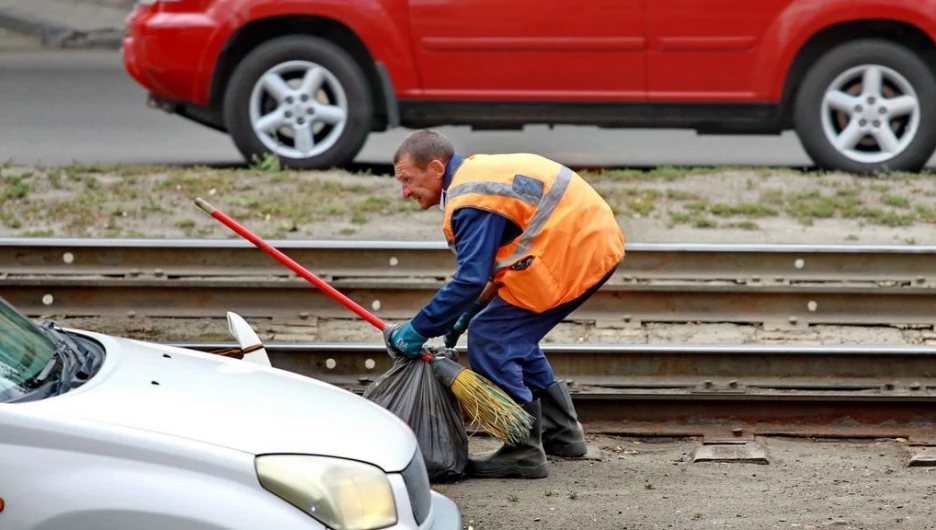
column 14, row 188
column 808, row 205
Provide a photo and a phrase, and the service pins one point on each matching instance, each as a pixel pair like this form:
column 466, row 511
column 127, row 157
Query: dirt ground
column 717, row 205
column 644, row 484
column 635, row 484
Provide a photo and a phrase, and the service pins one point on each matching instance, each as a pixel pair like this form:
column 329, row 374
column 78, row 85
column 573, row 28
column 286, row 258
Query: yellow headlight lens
column 341, row 494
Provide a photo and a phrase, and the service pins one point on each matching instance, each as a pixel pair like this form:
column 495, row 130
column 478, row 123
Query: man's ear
column 437, row 168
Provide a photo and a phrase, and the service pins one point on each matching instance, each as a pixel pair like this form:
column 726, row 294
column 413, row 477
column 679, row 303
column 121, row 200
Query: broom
column 486, row 404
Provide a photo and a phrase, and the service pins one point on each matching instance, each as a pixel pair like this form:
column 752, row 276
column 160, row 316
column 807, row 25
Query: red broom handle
column 286, row 260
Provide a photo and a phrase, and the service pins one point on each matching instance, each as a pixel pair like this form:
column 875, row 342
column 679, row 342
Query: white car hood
column 234, row 404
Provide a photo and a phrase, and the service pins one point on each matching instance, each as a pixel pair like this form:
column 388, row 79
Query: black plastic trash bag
column 411, row 390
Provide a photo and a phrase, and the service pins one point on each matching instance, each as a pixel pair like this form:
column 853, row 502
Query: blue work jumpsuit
column 503, row 339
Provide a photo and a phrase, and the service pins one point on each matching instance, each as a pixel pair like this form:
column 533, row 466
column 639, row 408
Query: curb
column 57, row 36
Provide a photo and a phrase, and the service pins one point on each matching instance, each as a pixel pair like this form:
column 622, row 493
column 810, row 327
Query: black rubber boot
column 562, row 433
column 524, row 460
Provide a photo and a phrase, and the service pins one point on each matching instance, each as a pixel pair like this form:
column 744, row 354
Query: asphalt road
column 59, row 107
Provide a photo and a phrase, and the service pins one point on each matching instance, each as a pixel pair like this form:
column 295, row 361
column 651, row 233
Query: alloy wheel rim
column 298, row 109
column 870, row 113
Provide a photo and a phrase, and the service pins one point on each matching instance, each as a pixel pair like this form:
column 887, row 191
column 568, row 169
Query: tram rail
column 684, row 390
column 780, row 286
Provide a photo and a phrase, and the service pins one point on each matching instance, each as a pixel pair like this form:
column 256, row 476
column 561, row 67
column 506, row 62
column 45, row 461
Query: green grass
column 666, row 173
column 744, row 209
column 80, row 200
column 14, row 188
column 894, row 200
column 808, row 205
column 744, row 225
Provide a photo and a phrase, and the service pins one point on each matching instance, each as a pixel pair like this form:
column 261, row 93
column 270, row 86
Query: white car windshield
column 25, row 350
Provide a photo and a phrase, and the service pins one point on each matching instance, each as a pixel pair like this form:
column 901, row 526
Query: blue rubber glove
column 406, row 340
column 451, row 338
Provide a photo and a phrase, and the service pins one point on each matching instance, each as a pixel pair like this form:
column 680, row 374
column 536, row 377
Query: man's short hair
column 424, row 146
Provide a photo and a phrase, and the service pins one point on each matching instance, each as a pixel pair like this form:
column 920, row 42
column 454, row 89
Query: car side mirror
column 247, row 339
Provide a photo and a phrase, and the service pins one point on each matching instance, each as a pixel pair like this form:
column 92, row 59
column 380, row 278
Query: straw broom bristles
column 492, row 409
column 487, row 405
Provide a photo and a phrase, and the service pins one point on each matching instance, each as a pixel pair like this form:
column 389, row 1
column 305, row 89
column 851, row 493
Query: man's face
column 422, row 185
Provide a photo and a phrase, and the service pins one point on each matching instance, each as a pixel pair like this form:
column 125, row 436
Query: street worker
column 532, row 242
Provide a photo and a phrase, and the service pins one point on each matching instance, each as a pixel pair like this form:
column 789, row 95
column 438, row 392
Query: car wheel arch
column 834, row 35
column 259, row 31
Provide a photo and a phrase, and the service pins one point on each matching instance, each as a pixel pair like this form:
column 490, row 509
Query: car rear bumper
column 165, row 52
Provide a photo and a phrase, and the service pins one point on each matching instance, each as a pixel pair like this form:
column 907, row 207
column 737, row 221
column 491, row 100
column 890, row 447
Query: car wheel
column 867, row 106
column 301, row 99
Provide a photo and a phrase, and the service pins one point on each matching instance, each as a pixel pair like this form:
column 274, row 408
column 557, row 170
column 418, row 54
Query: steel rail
column 779, row 286
column 741, row 263
column 706, row 390
column 616, row 304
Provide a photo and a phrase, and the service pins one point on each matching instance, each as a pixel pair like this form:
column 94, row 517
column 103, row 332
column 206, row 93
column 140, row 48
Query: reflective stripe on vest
column 542, row 214
column 544, row 208
column 556, row 212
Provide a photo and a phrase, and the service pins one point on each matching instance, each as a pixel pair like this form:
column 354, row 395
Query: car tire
column 840, row 123
column 319, row 132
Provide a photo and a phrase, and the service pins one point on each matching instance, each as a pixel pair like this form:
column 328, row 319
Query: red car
column 308, row 80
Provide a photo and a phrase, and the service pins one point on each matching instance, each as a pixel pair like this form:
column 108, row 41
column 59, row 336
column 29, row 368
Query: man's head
column 419, row 166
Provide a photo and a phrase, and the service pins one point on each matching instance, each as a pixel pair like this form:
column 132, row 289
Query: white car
column 105, row 433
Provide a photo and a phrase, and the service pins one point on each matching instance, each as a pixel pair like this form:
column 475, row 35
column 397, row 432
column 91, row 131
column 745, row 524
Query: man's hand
column 405, row 340
column 451, row 338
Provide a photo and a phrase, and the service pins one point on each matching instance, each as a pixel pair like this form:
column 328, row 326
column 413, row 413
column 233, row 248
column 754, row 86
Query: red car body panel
column 174, row 54
column 707, row 51
column 381, row 24
column 166, row 51
column 728, row 51
column 804, row 18
column 652, row 51
column 530, row 49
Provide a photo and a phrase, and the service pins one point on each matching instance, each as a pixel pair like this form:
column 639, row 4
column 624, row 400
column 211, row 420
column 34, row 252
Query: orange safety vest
column 570, row 238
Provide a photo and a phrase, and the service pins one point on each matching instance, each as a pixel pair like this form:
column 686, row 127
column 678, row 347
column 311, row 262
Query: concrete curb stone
column 29, row 25
column 55, row 34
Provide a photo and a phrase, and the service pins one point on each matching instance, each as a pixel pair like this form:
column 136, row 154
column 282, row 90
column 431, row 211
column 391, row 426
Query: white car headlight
column 341, row 494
